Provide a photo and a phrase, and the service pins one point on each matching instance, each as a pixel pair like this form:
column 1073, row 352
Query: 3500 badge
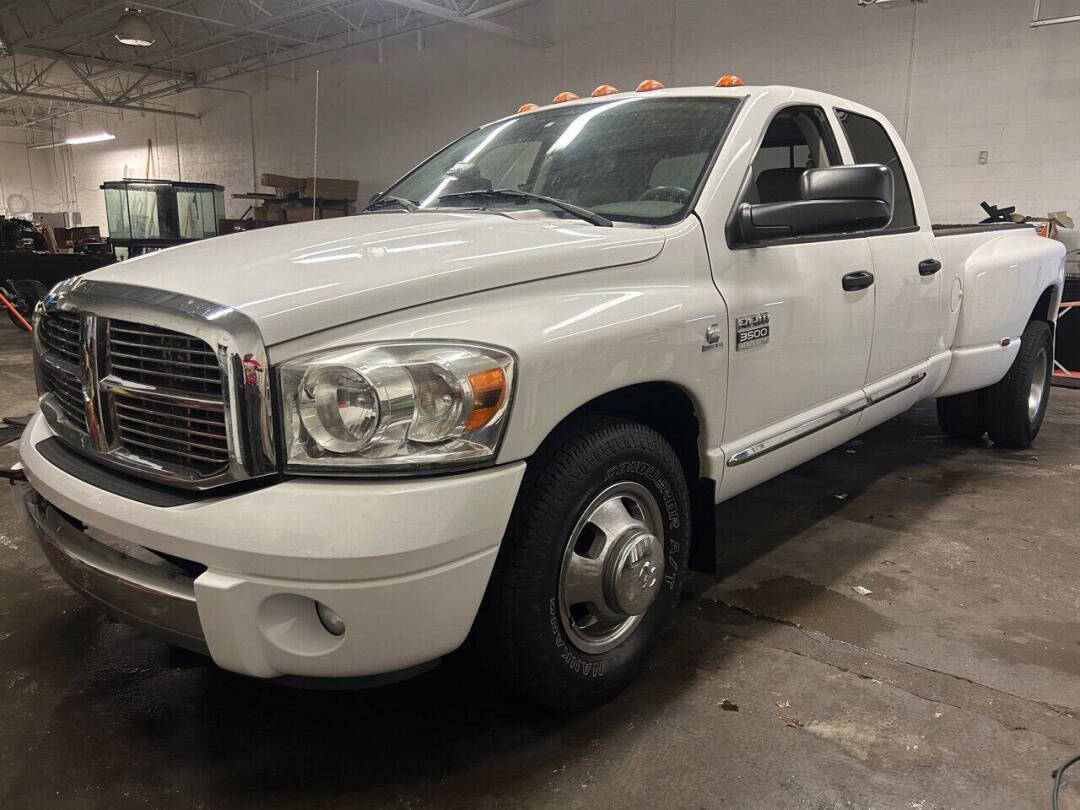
column 751, row 330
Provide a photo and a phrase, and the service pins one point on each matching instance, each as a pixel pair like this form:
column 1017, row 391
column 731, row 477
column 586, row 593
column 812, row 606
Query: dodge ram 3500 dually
column 501, row 403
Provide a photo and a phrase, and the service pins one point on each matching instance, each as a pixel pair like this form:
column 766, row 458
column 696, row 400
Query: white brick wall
column 982, row 79
column 33, row 174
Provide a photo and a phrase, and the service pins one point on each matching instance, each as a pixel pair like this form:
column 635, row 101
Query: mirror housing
column 835, row 200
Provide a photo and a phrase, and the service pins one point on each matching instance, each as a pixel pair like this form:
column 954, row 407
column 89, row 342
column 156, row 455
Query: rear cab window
column 870, row 143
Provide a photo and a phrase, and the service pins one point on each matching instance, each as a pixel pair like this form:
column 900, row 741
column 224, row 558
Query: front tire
column 591, row 565
column 1016, row 405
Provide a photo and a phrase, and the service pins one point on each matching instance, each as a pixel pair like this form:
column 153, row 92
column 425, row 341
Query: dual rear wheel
column 1012, row 411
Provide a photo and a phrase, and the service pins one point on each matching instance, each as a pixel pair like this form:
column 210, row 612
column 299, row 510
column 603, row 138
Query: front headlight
column 397, row 406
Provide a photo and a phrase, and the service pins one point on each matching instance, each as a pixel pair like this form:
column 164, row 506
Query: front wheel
column 591, row 565
column 1016, row 405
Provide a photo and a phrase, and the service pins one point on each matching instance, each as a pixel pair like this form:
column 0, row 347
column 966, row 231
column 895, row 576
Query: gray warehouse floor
column 952, row 683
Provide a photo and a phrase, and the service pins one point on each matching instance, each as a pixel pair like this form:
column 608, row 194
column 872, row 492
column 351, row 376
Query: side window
column 870, row 143
column 798, row 138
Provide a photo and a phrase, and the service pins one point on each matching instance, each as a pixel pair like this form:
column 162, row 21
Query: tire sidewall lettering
column 587, row 669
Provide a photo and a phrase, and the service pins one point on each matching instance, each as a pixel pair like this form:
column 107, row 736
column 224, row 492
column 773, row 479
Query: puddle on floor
column 812, row 606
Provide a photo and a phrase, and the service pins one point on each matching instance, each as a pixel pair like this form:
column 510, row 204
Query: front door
column 802, row 319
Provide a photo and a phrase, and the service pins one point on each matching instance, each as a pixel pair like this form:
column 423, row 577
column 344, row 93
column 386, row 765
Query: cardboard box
column 283, row 184
column 268, row 212
column 329, row 188
column 302, row 213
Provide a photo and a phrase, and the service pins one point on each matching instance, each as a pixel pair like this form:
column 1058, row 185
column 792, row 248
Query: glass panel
column 602, row 155
column 219, row 210
column 116, row 213
column 196, row 213
column 870, row 143
column 153, row 211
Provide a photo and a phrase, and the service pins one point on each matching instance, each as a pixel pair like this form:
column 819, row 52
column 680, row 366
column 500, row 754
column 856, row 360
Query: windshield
column 634, row 159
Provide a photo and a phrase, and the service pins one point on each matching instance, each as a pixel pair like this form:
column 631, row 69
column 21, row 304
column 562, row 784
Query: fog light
column 333, row 623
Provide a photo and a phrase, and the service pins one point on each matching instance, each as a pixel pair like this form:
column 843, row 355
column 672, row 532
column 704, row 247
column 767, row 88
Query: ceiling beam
column 131, row 67
column 500, row 8
column 7, row 91
column 472, row 20
column 185, row 49
column 222, row 23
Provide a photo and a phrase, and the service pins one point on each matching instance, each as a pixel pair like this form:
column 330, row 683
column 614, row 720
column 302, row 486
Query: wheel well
column 1046, row 307
column 668, row 409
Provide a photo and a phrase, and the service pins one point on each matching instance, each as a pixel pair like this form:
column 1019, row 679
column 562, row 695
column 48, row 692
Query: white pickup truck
column 502, row 402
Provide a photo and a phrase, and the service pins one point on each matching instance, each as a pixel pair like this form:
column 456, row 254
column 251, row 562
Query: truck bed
column 957, row 230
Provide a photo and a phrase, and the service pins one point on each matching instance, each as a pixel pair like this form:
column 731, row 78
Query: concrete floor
column 954, row 683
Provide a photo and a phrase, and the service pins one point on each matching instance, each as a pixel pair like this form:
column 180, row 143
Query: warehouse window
column 870, row 143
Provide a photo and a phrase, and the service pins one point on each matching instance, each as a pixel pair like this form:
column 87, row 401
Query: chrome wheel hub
column 613, row 567
column 1038, row 385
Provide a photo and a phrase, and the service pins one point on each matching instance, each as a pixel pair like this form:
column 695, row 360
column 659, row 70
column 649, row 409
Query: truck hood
column 293, row 280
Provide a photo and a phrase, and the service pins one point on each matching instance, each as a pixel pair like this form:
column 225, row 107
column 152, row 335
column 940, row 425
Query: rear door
column 911, row 312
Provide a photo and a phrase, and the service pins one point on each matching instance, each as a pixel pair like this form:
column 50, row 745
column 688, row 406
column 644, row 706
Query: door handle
column 859, row 280
column 927, row 267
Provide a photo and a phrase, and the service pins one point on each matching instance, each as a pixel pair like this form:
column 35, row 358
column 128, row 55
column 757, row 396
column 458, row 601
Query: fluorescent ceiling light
column 134, row 29
column 95, row 138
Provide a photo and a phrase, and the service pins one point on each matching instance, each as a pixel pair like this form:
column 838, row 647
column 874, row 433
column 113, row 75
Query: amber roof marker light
column 730, row 80
column 605, row 90
column 565, row 96
column 650, row 84
column 528, row 107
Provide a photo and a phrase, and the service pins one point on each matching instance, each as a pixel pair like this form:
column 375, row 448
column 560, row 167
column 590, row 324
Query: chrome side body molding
column 801, row 431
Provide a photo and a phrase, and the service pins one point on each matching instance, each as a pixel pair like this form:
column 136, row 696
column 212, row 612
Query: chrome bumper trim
column 134, row 591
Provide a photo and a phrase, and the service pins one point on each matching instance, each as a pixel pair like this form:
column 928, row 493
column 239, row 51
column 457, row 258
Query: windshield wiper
column 389, row 199
column 570, row 208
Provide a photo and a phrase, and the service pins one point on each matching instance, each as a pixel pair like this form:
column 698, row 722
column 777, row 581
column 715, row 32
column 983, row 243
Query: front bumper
column 404, row 563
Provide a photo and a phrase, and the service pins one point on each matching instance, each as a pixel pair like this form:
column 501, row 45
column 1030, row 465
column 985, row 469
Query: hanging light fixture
column 134, row 29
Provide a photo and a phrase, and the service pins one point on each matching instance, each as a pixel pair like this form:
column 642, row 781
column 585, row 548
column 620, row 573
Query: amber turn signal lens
column 524, row 108
column 730, row 80
column 565, row 95
column 650, row 84
column 605, row 90
column 489, row 393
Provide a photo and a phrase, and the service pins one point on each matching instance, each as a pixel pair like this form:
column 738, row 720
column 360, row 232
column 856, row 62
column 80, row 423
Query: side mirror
column 838, row 199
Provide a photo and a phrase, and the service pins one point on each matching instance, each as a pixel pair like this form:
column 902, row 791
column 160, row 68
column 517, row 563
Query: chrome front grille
column 67, row 388
column 163, row 397
column 160, row 357
column 162, row 385
column 185, row 428
column 60, row 333
column 175, row 434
